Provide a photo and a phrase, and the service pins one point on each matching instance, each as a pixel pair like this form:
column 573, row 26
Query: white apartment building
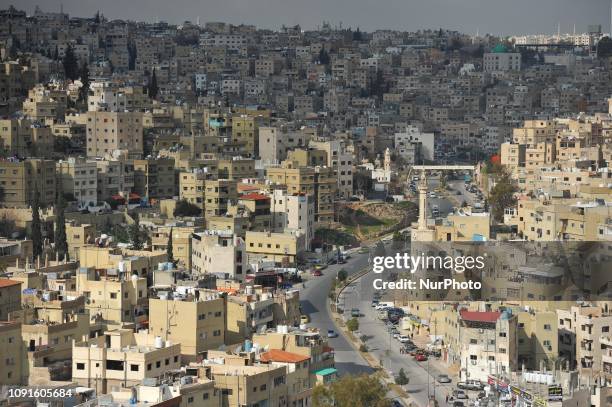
column 293, row 212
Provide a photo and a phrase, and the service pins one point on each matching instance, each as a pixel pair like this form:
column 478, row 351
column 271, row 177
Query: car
column 317, row 273
column 304, row 319
column 459, row 395
column 420, row 357
column 331, row 333
column 470, row 385
column 443, row 378
column 410, row 347
column 355, row 313
column 403, row 338
column 458, row 403
column 375, row 303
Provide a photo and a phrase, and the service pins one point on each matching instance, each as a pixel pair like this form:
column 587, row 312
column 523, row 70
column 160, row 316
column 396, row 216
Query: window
column 547, row 327
column 148, row 366
column 205, row 396
column 114, row 364
column 80, row 366
column 158, row 364
column 134, row 368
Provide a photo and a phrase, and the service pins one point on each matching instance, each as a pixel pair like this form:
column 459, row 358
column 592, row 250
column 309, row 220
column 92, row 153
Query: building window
column 133, row 368
column 80, row 366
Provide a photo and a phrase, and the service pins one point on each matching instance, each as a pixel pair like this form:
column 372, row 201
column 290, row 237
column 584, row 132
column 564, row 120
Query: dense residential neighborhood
column 189, row 215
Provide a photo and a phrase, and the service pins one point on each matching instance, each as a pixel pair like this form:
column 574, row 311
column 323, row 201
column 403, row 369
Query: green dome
column 499, row 49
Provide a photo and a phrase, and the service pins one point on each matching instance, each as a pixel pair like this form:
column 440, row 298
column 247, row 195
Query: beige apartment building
column 282, row 248
column 78, row 178
column 115, row 177
column 21, row 179
column 487, row 344
column 218, row 195
column 299, row 386
column 10, row 297
column 319, row 182
column 11, row 353
column 245, row 134
column 293, row 212
column 120, row 359
column 218, row 252
column 110, row 131
column 537, row 339
column 196, row 321
column 155, row 178
column 181, row 241
column 113, row 297
column 77, row 236
column 247, row 314
column 250, row 385
column 307, row 343
column 464, row 226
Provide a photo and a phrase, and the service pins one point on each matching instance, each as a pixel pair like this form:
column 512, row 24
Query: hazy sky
column 493, row 16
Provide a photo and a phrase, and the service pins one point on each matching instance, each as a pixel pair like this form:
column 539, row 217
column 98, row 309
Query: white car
column 403, row 338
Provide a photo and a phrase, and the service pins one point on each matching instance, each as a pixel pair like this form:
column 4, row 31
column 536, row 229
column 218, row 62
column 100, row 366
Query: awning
column 326, row 372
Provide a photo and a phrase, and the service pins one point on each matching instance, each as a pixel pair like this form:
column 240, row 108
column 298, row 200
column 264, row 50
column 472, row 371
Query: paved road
column 313, row 301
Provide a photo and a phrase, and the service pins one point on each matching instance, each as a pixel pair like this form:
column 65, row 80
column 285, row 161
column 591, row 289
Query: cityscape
column 216, row 214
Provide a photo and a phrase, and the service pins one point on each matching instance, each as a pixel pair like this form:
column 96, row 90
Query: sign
column 521, row 393
column 498, row 384
column 555, row 393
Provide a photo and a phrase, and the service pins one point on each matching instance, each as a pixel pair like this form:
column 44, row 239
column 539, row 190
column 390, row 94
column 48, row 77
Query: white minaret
column 387, row 160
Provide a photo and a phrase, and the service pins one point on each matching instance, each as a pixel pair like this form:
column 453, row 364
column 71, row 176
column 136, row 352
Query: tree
column 84, row 90
column 351, row 391
column 186, row 208
column 352, row 324
column 135, row 237
column 71, row 65
column 323, row 57
column 604, row 47
column 153, row 88
column 502, row 196
column 342, row 275
column 36, row 226
column 401, row 379
column 61, row 242
column 169, row 248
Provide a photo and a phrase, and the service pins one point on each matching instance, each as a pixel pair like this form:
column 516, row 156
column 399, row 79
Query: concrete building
column 155, row 178
column 10, row 297
column 219, row 194
column 247, row 314
column 11, row 353
column 219, row 252
column 487, row 343
column 282, row 248
column 293, row 213
column 121, row 358
column 499, row 59
column 16, row 181
column 196, row 320
column 78, row 178
column 110, row 131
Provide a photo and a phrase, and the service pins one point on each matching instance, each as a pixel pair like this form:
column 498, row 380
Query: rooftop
column 277, row 355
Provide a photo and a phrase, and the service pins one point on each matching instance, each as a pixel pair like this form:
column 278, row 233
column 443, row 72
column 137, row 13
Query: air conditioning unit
column 481, row 331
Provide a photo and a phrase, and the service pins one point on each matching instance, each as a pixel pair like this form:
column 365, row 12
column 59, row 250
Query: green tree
column 352, row 324
column 604, row 47
column 401, row 379
column 84, row 90
column 502, row 196
column 61, row 242
column 36, row 226
column 323, row 57
column 352, row 391
column 342, row 275
column 186, row 208
column 135, row 236
column 169, row 248
column 153, row 88
column 71, row 65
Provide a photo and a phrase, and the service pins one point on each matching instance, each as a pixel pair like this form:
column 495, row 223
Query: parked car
column 317, row 273
column 331, row 333
column 420, row 357
column 403, row 338
column 375, row 303
column 470, row 385
column 355, row 313
column 444, row 379
column 459, row 395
